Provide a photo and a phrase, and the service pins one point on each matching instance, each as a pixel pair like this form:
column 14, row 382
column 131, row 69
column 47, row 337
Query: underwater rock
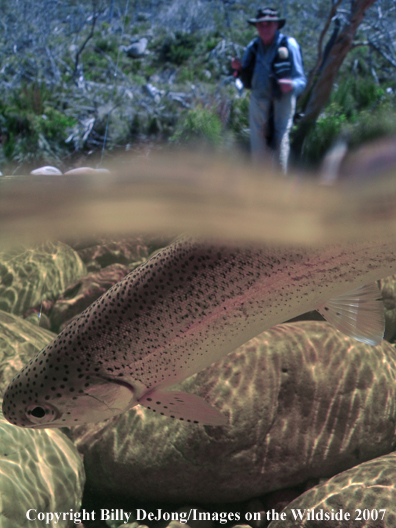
column 175, row 524
column 362, row 492
column 304, row 402
column 253, row 508
column 196, row 520
column 40, row 471
column 102, row 252
column 19, row 342
column 388, row 291
column 80, row 294
column 277, row 500
column 29, row 276
column 38, row 318
column 39, row 315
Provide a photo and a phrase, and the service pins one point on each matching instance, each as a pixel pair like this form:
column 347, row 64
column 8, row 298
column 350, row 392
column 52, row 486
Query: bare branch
column 386, row 56
column 360, row 44
column 81, row 49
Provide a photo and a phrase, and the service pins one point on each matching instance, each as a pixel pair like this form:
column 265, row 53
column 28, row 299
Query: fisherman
column 272, row 67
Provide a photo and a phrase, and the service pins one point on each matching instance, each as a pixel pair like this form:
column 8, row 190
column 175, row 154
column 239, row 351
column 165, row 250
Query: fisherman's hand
column 236, row 64
column 286, row 85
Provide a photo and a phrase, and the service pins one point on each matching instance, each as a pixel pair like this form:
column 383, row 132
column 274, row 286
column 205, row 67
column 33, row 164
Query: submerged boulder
column 388, row 292
column 363, row 496
column 303, row 400
column 20, row 340
column 104, row 251
column 80, row 294
column 40, row 471
column 29, row 276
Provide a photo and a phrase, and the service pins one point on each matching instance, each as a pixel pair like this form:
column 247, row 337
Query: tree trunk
column 322, row 86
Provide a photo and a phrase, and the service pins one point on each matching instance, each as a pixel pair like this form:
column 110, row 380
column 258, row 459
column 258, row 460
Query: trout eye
column 38, row 412
column 41, row 413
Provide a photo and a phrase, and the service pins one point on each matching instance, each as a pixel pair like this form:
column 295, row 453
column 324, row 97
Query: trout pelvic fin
column 358, row 313
column 182, row 406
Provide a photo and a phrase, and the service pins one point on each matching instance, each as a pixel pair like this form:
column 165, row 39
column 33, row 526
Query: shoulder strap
column 283, row 42
column 247, row 73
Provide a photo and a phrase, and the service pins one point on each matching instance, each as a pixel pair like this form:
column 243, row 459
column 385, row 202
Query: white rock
column 87, row 170
column 137, row 49
column 47, row 170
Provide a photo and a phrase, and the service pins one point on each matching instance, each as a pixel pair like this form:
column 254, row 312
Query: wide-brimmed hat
column 267, row 14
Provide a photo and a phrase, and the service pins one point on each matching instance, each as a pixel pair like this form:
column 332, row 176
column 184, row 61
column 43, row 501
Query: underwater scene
column 219, row 355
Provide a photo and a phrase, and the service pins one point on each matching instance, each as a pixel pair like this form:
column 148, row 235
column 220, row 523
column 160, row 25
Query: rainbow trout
column 185, row 308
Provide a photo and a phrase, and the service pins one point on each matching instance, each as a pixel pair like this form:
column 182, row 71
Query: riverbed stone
column 303, row 400
column 366, row 492
column 29, row 276
column 388, row 292
column 100, row 252
column 40, row 471
column 20, row 340
column 83, row 292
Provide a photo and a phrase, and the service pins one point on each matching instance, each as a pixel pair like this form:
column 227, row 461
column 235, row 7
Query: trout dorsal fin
column 358, row 313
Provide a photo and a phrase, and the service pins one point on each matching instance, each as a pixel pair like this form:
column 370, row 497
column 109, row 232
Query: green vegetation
column 359, row 109
column 187, row 62
column 239, row 118
column 373, row 125
column 31, row 127
column 106, row 44
column 200, row 124
column 178, row 48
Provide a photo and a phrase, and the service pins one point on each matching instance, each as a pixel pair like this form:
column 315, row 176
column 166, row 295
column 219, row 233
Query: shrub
column 374, row 125
column 31, row 127
column 324, row 134
column 179, row 48
column 359, row 108
column 239, row 117
column 106, row 44
column 199, row 124
column 356, row 94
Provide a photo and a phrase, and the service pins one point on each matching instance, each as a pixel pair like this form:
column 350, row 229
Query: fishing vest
column 281, row 67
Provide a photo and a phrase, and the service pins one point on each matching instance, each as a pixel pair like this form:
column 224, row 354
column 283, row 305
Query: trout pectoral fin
column 111, row 394
column 358, row 313
column 182, row 406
